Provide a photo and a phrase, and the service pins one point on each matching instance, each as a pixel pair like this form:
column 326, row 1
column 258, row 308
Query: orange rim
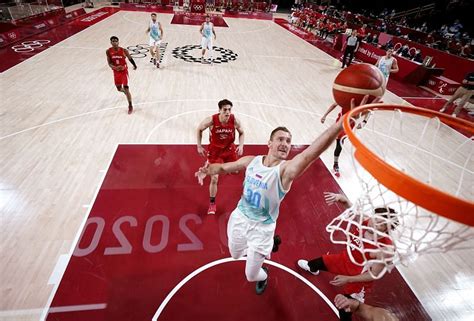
column 407, row 187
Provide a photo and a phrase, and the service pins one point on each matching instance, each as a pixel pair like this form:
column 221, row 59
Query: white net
column 422, row 148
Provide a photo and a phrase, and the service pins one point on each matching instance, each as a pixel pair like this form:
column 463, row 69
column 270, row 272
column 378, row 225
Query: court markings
column 211, row 101
column 230, row 259
column 268, row 25
column 67, row 257
column 66, row 308
column 198, row 111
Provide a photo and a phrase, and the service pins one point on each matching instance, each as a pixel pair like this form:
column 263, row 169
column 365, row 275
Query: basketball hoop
column 419, row 163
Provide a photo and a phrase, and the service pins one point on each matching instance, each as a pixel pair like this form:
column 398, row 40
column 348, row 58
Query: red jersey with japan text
column 350, row 267
column 222, row 135
column 341, row 264
column 117, row 57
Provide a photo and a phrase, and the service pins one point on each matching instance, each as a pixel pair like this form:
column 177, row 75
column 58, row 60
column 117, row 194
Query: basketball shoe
column 303, row 264
column 260, row 286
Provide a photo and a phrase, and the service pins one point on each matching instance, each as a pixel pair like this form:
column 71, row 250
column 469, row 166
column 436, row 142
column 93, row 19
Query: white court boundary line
column 230, row 259
column 196, row 111
column 224, row 31
column 66, row 308
column 46, row 309
column 155, row 102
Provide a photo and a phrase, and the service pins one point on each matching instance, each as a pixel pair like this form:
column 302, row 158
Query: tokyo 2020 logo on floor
column 142, row 50
column 192, row 53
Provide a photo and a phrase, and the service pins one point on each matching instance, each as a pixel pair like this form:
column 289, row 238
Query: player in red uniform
column 355, row 279
column 337, row 151
column 116, row 59
column 222, row 127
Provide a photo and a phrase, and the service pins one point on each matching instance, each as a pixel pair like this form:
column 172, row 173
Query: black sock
column 345, row 316
column 213, row 200
column 317, row 265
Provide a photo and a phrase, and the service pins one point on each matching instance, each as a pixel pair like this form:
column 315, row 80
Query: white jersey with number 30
column 262, row 193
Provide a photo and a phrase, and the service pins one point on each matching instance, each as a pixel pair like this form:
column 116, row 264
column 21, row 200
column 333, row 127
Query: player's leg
column 312, row 266
column 333, row 263
column 457, row 94
column 344, row 58
column 124, row 82
column 236, row 229
column 253, row 267
column 212, row 194
column 152, row 52
column 351, row 56
column 129, row 99
column 157, row 54
column 209, row 47
column 203, row 47
column 260, row 240
column 464, row 98
column 337, row 153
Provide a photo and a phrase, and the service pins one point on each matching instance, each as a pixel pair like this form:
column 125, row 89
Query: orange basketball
column 356, row 81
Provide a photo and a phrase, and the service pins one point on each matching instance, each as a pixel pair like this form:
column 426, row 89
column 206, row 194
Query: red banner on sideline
column 33, row 44
column 37, row 26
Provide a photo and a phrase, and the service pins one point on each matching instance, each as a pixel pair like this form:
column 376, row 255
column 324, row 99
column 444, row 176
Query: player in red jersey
column 116, row 58
column 222, row 127
column 355, row 279
column 337, row 151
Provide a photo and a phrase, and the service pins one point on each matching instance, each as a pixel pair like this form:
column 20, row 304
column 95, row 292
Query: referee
column 352, row 44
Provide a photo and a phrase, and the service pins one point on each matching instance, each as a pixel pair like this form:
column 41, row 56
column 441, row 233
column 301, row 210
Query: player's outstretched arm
column 295, row 167
column 341, row 280
column 224, row 168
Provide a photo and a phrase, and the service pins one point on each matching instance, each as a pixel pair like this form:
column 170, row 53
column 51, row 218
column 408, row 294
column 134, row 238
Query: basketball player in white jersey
column 207, row 30
column 268, row 178
column 387, row 64
column 156, row 35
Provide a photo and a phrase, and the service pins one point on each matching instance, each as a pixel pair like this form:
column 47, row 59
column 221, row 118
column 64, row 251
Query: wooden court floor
column 62, row 118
